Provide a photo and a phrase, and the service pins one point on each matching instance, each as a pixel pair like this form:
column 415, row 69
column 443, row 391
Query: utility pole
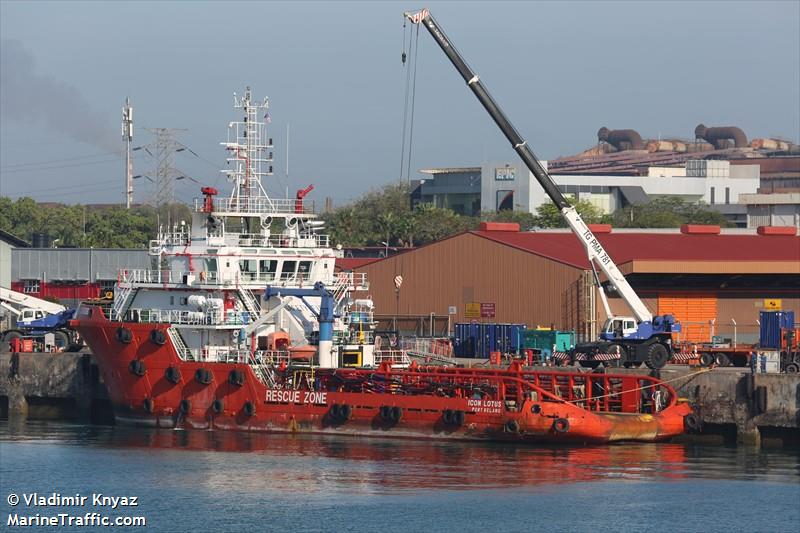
column 127, row 137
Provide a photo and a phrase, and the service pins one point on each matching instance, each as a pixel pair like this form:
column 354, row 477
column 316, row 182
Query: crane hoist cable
column 405, row 107
column 410, row 64
column 413, row 100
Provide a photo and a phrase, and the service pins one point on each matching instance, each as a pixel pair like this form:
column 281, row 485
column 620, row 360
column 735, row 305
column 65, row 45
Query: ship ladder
column 177, row 341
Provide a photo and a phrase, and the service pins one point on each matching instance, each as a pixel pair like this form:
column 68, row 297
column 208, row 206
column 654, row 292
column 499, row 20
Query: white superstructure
column 208, row 279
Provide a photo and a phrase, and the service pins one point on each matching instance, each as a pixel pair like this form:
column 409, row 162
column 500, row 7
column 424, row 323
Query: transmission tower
column 164, row 153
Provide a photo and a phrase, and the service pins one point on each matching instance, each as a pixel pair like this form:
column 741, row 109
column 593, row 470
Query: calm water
column 217, row 481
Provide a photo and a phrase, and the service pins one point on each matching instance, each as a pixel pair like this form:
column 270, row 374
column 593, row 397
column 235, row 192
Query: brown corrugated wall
column 467, row 268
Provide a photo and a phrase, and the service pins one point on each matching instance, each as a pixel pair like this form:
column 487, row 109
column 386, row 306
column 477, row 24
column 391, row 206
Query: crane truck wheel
column 706, row 359
column 792, row 368
column 722, row 359
column 657, row 356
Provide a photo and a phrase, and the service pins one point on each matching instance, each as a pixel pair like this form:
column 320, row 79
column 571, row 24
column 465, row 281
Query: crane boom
column 594, row 249
column 19, row 299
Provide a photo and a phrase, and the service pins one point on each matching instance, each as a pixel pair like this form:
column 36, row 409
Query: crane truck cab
column 27, row 316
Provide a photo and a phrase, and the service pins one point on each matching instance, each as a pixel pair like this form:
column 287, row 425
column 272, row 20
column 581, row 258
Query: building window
column 712, row 195
column 31, row 286
column 505, row 200
column 727, row 195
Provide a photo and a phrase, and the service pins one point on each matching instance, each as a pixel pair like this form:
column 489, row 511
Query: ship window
column 248, row 268
column 267, row 269
column 211, row 264
column 171, row 300
column 184, row 301
column 289, row 268
column 304, row 269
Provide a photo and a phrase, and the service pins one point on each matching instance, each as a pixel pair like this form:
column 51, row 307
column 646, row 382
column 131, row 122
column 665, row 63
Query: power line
column 55, row 167
column 92, row 156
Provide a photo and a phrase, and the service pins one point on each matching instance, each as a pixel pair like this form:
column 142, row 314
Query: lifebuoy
column 249, row 408
column 512, row 426
column 236, row 377
column 560, row 425
column 217, row 406
column 137, row 367
column 148, row 405
column 203, row 376
column 124, row 335
column 173, row 375
column 158, row 337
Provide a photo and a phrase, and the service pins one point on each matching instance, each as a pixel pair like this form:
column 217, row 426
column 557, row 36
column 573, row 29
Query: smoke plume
column 26, row 95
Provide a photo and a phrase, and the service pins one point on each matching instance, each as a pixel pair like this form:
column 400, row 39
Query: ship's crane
column 644, row 338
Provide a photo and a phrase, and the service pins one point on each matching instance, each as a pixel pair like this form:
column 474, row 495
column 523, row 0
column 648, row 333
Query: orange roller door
column 694, row 311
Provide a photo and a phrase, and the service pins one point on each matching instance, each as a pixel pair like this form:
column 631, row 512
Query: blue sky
column 332, row 70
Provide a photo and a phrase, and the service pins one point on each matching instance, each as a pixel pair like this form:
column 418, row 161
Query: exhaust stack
column 621, row 139
column 719, row 136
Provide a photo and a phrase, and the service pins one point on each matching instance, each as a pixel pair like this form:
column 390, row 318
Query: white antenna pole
column 127, row 136
column 287, row 160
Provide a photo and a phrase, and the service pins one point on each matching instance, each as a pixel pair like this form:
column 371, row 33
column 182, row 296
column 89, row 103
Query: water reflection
column 285, row 463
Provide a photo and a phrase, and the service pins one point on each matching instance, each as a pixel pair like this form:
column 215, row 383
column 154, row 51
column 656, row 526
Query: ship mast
column 250, row 153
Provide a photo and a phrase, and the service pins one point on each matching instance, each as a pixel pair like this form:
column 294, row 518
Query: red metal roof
column 625, row 247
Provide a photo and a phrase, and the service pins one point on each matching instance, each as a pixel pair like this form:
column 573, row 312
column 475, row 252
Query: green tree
column 667, row 212
column 548, row 215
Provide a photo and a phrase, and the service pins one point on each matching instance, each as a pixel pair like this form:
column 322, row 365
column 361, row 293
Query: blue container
column 772, row 322
column 480, row 339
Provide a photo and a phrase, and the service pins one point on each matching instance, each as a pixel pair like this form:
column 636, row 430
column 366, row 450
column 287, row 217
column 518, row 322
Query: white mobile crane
column 642, row 338
column 35, row 318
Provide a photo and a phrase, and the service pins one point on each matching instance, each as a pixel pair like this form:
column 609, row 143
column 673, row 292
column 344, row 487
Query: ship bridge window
column 289, row 269
column 304, row 269
column 248, row 268
column 211, row 264
column 267, row 269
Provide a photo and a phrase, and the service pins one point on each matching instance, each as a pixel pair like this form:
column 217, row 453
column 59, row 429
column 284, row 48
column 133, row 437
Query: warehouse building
column 715, row 283
column 69, row 275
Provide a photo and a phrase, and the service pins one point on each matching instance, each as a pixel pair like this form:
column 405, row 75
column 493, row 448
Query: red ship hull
column 150, row 385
